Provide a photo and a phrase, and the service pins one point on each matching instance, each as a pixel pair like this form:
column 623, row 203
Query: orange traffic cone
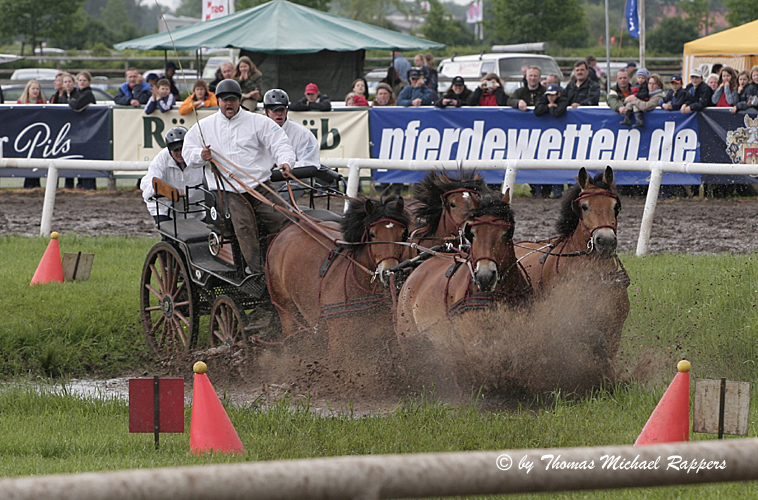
column 211, row 429
column 670, row 421
column 50, row 268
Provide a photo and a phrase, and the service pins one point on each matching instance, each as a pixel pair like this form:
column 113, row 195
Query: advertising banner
column 496, row 134
column 341, row 133
column 214, row 9
column 728, row 138
column 139, row 137
column 54, row 131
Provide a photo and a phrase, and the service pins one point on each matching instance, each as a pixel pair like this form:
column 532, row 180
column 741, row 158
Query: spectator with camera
column 489, row 92
column 417, row 93
column 456, row 96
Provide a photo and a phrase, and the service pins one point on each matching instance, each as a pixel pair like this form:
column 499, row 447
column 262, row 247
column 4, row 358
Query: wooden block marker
column 721, row 407
column 77, row 266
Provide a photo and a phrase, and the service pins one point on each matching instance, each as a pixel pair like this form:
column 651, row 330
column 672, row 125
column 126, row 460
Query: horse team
column 388, row 289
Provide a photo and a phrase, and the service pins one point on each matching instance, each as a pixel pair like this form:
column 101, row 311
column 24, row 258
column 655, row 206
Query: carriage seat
column 186, row 230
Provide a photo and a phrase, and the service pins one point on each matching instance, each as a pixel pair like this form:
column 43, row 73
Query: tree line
column 87, row 24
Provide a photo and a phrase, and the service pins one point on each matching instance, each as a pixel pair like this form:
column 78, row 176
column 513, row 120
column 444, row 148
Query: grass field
column 702, row 308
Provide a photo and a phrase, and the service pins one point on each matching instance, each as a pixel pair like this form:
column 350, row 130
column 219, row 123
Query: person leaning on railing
column 201, row 98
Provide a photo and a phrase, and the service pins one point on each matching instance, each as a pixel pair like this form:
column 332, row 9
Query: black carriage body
column 198, row 269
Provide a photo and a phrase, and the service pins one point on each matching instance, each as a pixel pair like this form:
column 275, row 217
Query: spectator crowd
column 634, row 92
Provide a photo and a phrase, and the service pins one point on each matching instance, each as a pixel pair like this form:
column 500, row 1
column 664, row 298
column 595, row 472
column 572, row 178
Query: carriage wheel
column 167, row 301
column 227, row 323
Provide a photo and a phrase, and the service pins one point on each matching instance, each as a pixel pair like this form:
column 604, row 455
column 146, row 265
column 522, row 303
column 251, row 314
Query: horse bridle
column 591, row 232
column 473, row 260
column 368, row 244
column 446, row 211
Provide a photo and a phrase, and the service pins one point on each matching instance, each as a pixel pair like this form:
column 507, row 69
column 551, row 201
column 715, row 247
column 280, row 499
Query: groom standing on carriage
column 245, row 146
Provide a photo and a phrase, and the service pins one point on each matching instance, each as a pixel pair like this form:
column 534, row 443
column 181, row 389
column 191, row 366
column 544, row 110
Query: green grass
column 77, row 328
column 702, row 308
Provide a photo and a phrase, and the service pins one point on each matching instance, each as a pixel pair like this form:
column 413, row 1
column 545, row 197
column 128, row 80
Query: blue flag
column 632, row 20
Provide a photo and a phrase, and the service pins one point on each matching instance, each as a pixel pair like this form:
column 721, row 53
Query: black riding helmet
column 276, row 99
column 175, row 138
column 228, row 88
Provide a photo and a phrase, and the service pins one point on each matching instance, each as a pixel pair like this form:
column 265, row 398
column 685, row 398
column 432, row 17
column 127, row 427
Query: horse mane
column 569, row 216
column 428, row 193
column 357, row 218
column 493, row 205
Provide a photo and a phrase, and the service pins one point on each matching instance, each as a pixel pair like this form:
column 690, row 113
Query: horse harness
column 349, row 305
column 617, row 277
column 483, row 300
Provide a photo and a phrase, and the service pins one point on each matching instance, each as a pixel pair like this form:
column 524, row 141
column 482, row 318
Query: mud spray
column 566, row 341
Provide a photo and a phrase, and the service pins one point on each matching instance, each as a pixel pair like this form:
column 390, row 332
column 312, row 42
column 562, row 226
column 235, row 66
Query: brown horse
column 442, row 205
column 585, row 249
column 333, row 289
column 487, row 274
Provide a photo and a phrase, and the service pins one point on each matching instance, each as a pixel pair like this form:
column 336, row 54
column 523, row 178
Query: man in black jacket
column 582, row 91
column 676, row 95
column 313, row 100
column 698, row 93
column 553, row 101
column 529, row 94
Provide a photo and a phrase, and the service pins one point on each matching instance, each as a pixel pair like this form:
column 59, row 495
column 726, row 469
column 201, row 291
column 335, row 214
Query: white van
column 506, row 66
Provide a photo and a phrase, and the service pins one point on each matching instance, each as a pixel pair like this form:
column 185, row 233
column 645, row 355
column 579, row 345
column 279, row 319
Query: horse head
column 589, row 213
column 489, row 230
column 444, row 201
column 376, row 227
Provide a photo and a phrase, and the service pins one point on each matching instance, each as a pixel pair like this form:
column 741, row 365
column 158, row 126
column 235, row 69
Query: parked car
column 506, row 66
column 49, row 51
column 373, row 78
column 214, row 63
column 12, row 93
column 26, row 74
column 189, row 74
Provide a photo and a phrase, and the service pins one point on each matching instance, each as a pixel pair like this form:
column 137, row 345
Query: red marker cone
column 670, row 421
column 50, row 268
column 211, row 429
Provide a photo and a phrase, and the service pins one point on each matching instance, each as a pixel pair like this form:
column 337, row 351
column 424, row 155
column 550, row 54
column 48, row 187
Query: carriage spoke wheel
column 227, row 323
column 167, row 302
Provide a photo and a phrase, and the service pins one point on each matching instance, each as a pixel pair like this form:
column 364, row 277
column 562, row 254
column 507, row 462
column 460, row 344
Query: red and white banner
column 213, row 9
column 474, row 14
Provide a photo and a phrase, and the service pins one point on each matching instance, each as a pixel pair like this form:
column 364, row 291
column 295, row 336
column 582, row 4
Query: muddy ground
column 689, row 225
column 692, row 225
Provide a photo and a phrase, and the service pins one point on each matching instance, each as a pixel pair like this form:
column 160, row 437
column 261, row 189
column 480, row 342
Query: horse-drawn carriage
column 197, row 269
column 340, row 283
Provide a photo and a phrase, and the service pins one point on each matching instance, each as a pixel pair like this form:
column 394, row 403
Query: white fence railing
column 413, row 475
column 511, row 167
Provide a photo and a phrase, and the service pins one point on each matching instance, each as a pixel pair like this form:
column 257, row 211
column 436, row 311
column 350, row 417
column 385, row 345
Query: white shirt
column 304, row 143
column 251, row 143
column 165, row 168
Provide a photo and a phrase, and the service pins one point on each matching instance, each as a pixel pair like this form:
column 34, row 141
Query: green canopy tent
column 292, row 45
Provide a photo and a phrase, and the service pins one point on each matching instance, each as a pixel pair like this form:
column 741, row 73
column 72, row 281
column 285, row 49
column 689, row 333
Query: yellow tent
column 735, row 47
